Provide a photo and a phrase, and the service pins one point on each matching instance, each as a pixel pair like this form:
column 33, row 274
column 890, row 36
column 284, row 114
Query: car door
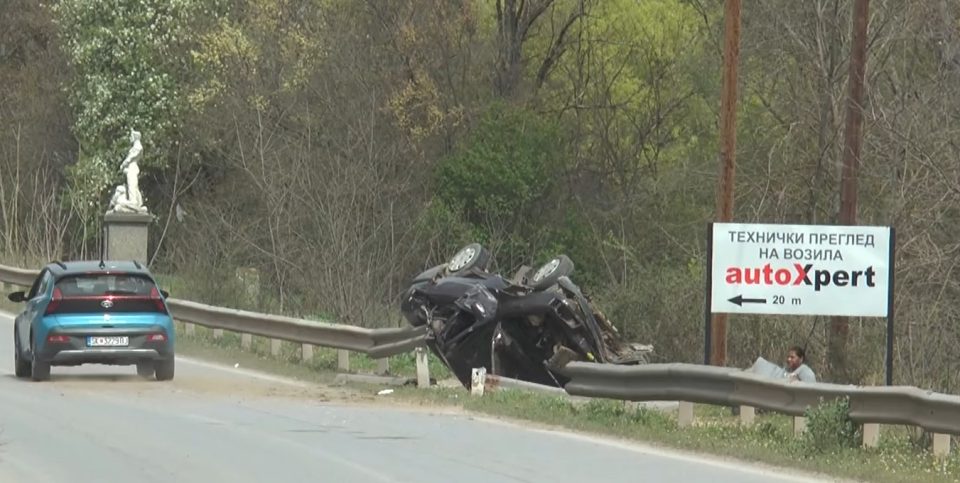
column 30, row 312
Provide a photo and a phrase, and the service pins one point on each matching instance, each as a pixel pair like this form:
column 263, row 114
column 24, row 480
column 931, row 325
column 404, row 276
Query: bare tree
column 515, row 21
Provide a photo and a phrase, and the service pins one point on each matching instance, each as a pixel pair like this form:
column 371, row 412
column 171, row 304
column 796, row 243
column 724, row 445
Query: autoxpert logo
column 800, row 275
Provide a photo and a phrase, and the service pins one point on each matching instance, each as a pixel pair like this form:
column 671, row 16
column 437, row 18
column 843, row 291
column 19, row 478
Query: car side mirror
column 17, row 297
column 165, row 294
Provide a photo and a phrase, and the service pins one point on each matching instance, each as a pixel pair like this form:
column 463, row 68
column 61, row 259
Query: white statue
column 127, row 198
column 122, row 204
column 132, row 169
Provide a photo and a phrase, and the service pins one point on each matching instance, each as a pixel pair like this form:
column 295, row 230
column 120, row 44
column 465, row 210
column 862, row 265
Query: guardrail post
column 423, row 368
column 685, row 414
column 941, row 444
column 871, row 435
column 799, row 424
column 246, row 341
column 478, row 380
column 747, row 415
column 343, row 360
column 217, row 333
column 306, row 352
column 383, row 366
column 275, row 347
column 189, row 328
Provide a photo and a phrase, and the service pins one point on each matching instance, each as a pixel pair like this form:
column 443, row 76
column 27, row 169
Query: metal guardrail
column 492, row 382
column 934, row 412
column 18, row 276
column 377, row 343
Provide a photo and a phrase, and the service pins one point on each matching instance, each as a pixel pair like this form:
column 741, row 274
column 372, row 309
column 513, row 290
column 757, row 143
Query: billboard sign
column 800, row 269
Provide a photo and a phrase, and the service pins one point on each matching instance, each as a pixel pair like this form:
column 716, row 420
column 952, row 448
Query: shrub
column 829, row 427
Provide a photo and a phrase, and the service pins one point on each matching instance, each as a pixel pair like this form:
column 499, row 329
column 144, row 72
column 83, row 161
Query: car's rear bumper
column 75, row 351
column 103, row 356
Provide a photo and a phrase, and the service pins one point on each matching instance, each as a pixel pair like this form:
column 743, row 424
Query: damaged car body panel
column 521, row 328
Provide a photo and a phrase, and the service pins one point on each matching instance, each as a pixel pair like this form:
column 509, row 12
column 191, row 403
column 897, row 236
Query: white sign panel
column 800, row 269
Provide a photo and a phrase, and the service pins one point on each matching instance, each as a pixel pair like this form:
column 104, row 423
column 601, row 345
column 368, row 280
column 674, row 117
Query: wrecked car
column 526, row 327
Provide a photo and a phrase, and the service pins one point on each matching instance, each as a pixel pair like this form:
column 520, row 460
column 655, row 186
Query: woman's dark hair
column 799, row 352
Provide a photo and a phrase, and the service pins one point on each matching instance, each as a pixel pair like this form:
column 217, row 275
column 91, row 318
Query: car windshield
column 102, row 284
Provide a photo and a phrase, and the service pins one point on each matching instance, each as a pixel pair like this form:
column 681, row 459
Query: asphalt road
column 104, row 424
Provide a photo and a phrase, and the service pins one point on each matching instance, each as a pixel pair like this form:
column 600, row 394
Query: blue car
column 93, row 312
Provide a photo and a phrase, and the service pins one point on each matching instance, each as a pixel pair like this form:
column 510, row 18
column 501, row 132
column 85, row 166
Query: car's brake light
column 157, row 299
column 59, row 339
column 156, row 338
column 54, row 302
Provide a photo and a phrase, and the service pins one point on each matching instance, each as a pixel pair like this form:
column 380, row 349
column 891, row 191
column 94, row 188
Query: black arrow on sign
column 739, row 300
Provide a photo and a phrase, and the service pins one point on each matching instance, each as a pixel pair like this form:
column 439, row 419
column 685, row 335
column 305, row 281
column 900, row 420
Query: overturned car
column 527, row 327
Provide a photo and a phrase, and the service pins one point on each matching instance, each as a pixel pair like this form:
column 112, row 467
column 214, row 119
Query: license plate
column 111, row 341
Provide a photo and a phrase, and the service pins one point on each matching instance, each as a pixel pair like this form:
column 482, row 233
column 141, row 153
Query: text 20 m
column 781, row 300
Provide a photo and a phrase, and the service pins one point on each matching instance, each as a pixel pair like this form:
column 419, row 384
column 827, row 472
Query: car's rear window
column 104, row 284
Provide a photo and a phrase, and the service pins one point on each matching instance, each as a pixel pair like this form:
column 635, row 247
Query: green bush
column 829, row 427
column 496, row 187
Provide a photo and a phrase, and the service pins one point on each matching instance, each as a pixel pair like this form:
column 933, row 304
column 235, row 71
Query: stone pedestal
column 126, row 236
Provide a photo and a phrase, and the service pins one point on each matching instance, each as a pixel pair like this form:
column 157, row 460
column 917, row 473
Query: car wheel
column 164, row 369
column 40, row 371
column 550, row 272
column 145, row 369
column 471, row 256
column 21, row 367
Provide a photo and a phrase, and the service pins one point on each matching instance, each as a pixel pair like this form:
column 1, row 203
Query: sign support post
column 890, row 307
column 707, row 312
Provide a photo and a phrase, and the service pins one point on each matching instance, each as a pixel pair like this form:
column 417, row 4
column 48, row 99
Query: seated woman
column 796, row 369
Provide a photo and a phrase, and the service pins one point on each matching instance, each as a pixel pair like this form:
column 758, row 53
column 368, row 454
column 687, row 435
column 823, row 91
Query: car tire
column 469, row 257
column 21, row 367
column 164, row 369
column 549, row 273
column 39, row 370
column 146, row 369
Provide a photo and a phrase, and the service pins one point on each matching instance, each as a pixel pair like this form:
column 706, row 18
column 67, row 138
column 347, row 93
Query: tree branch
column 558, row 47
